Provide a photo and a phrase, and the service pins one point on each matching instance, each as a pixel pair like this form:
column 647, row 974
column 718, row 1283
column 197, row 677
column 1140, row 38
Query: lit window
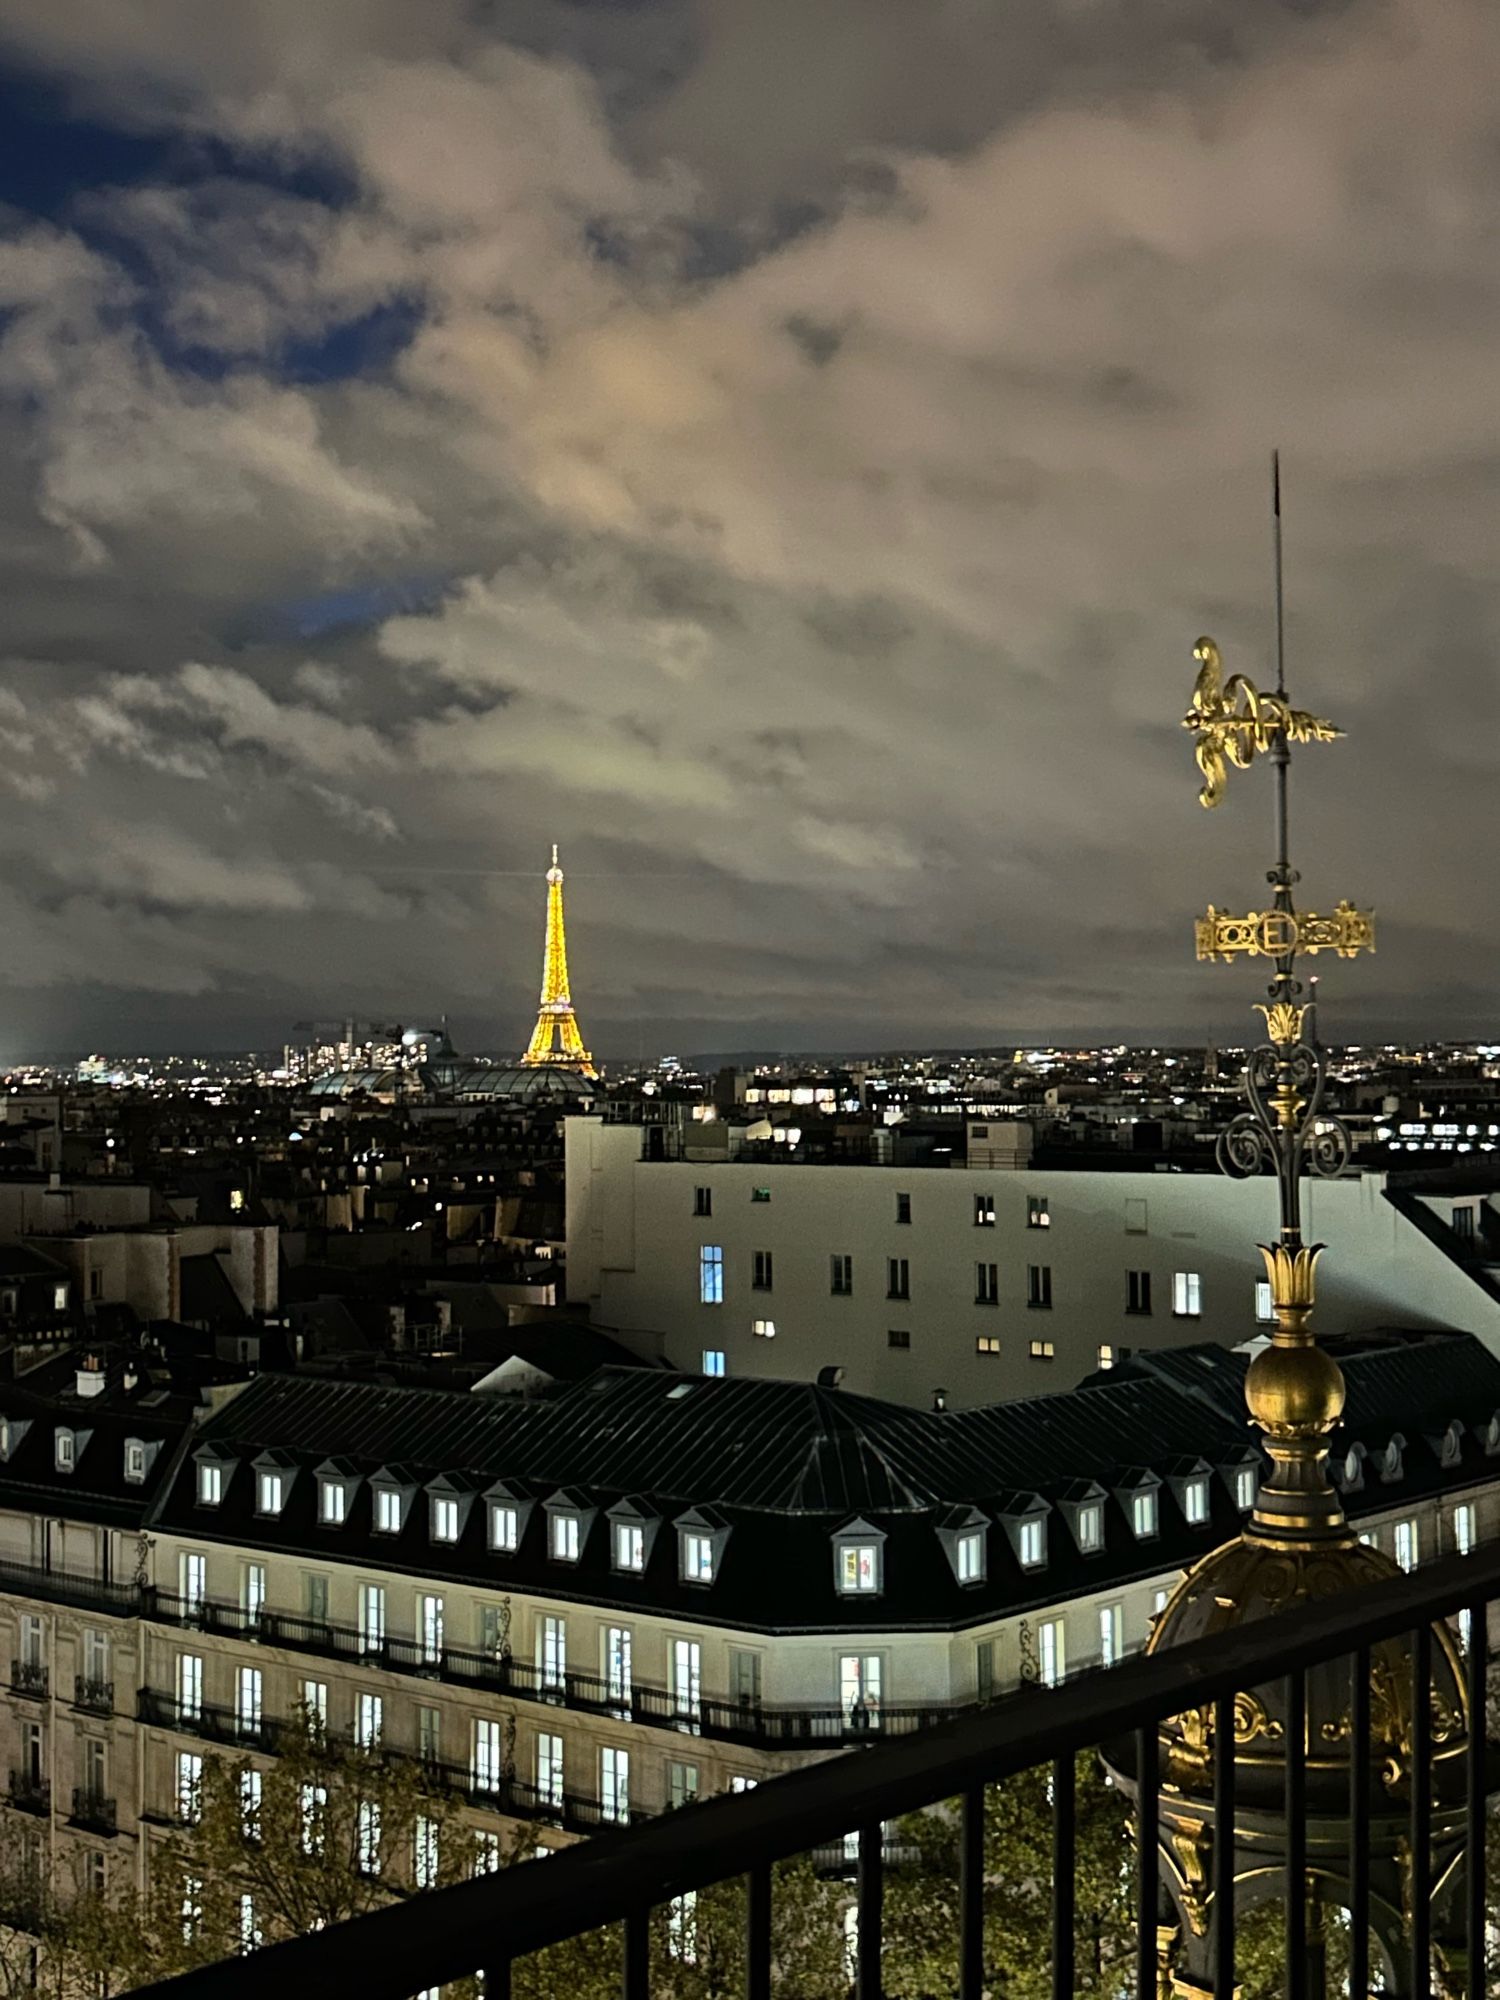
column 1187, row 1294
column 247, row 1701
column 986, row 1284
column 505, row 1527
column 387, row 1511
column 1463, row 1529
column 859, row 1567
column 840, row 1275
column 333, row 1502
column 189, row 1787
column 552, row 1646
column 1043, row 1350
column 1108, row 1355
column 65, row 1454
column 270, row 1493
column 1109, row 1634
column 1244, row 1488
column 1039, row 1285
column 425, row 1853
column 549, row 1769
column 697, row 1558
column 713, row 1361
column 1143, row 1513
column 711, row 1274
column 1406, row 1544
column 250, row 1793
column 984, row 1211
column 60, row 1298
column 565, row 1538
column 192, row 1579
column 1195, row 1501
column 630, row 1546
column 371, row 1617
column 617, row 1650
column 444, row 1518
column 1159, row 1602
column 987, row 1343
column 1051, row 1652
column 760, row 1194
column 1265, row 1311
column 763, row 1329
column 210, row 1485
column 369, row 1719
column 1033, row 1544
column 1038, row 1215
column 614, row 1783
column 368, row 1842
column 1137, row 1291
column 189, row 1686
column 971, row 1557
column 762, row 1271
column 135, row 1461
column 1090, row 1527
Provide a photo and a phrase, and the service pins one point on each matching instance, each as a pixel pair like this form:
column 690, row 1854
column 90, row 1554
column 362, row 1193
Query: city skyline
column 784, row 459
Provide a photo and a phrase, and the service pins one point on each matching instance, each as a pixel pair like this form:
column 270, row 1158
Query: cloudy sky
column 782, row 450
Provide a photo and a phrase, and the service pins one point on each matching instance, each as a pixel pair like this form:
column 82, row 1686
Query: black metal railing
column 29, row 1677
column 97, row 1696
column 31, row 1793
column 729, row 1719
column 92, row 1810
column 630, row 1879
column 71, row 1587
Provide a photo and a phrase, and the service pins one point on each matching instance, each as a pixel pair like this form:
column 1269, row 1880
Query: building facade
column 984, row 1282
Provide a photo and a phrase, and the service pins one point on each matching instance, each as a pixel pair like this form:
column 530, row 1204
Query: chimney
column 91, row 1376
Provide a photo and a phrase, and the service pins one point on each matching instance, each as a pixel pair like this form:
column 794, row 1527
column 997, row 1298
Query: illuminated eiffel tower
column 555, row 1016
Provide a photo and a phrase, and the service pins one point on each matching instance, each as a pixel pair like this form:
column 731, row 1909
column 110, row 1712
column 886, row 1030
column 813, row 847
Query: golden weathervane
column 1226, row 730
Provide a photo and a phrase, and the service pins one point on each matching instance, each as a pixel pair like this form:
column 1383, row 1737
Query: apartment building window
column 1108, row 1354
column 549, row 1769
column 760, row 1194
column 486, row 1757
column 1265, row 1311
column 703, row 1201
column 64, row 1451
column 1463, row 1221
column 189, row 1787
column 387, row 1511
column 252, row 1936
column 898, row 1336
column 1187, row 1294
column 1159, row 1602
column 1406, row 1544
column 614, row 1783
column 1143, row 1513
column 744, row 1678
column 189, row 1686
column 486, row 1854
column 763, row 1329
column 682, row 1783
column 687, row 1677
column 697, row 1558
column 252, row 1593
column 369, row 1720
column 903, row 1209
column 762, row 1271
column 424, row 1852
column 711, row 1274
column 250, row 1797
column 430, row 1734
column 95, row 1658
column 1031, row 1543
column 1463, row 1528
column 1051, row 1652
column 248, row 1689
column 494, row 1630
column 95, row 1782
column 367, row 1847
column 987, row 1343
column 1043, row 1350
column 1137, row 1291
column 860, row 1689
column 371, row 1617
column 430, row 1627
column 210, row 1483
column 192, row 1580
column 135, row 1461
column 565, row 1538
column 986, row 1284
column 970, row 1550
column 192, row 1885
column 333, row 1502
column 315, row 1594
column 984, row 1211
column 552, row 1652
column 617, row 1663
column 897, row 1278
column 1039, row 1285
column 984, row 1670
column 270, row 1493
column 33, row 1645
column 630, row 1546
column 713, row 1362
column 505, row 1527
column 314, row 1813
column 1245, row 1482
column 840, row 1275
column 1195, row 1502
column 315, row 1706
column 858, row 1568
column 1110, row 1618
column 1038, row 1215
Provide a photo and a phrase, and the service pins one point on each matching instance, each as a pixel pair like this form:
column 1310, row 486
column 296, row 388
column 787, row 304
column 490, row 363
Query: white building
column 984, row 1282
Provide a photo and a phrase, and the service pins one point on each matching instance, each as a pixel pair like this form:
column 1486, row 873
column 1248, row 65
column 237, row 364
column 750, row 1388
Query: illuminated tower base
column 555, row 1041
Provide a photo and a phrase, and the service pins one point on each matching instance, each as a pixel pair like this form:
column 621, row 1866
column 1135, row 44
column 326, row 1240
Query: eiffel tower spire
column 555, row 1016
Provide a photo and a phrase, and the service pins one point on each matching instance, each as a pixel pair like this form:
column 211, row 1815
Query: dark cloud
column 783, row 453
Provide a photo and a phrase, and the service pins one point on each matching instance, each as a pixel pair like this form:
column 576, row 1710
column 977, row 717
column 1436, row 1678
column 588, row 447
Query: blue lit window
column 713, row 1361
column 711, row 1275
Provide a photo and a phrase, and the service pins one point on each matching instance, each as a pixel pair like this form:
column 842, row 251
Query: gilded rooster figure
column 1226, row 731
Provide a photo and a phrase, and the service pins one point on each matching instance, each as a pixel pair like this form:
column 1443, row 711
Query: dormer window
column 65, row 1451
column 1031, row 1544
column 629, row 1546
column 1245, row 1484
column 504, row 1527
column 270, row 1493
column 697, row 1558
column 387, row 1510
column 1195, row 1502
column 1143, row 1513
column 444, row 1517
column 333, row 1502
column 969, row 1549
column 1091, row 1527
column 135, row 1461
column 12, row 1430
column 569, row 1518
column 702, row 1535
column 210, row 1483
column 1391, row 1457
column 858, row 1568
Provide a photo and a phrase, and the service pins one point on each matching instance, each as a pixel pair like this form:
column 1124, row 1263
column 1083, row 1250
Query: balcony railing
column 636, row 1878
column 94, row 1811
column 30, row 1793
column 29, row 1677
column 726, row 1718
column 98, row 1697
column 72, row 1587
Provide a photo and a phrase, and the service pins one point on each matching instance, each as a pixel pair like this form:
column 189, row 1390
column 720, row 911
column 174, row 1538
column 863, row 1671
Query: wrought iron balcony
column 29, row 1677
column 98, row 1697
column 71, row 1587
column 1429, row 1817
column 30, row 1793
column 92, row 1810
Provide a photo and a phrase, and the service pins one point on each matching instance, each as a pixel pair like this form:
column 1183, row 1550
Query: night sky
column 783, row 451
